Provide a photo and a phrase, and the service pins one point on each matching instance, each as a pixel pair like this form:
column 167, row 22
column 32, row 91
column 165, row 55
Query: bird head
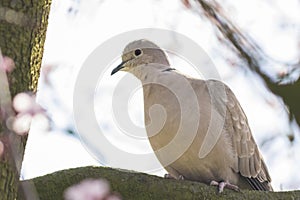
column 140, row 53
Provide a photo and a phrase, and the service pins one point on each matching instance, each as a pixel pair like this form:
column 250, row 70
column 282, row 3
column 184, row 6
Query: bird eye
column 137, row 52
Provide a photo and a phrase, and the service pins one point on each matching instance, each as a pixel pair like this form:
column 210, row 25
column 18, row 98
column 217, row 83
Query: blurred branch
column 255, row 58
column 133, row 185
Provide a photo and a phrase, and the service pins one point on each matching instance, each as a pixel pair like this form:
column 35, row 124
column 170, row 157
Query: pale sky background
column 73, row 34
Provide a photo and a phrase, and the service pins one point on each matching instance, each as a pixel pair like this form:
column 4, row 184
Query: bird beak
column 119, row 67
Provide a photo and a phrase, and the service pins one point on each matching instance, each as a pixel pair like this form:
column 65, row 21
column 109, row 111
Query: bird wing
column 250, row 163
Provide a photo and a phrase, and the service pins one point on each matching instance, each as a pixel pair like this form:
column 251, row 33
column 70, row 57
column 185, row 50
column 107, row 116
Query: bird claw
column 221, row 185
column 169, row 176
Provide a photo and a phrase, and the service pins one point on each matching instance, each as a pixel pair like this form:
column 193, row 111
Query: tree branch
column 134, row 185
column 249, row 51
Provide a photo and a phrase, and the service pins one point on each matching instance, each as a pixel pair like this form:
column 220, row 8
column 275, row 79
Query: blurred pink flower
column 113, row 197
column 27, row 109
column 6, row 63
column 281, row 74
column 21, row 123
column 90, row 189
column 26, row 103
column 46, row 70
column 186, row 3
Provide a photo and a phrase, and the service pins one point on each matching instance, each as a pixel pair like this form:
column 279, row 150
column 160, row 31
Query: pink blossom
column 113, row 197
column 21, row 123
column 89, row 189
column 186, row 3
column 23, row 102
column 282, row 74
column 40, row 121
column 27, row 110
column 6, row 63
column 46, row 71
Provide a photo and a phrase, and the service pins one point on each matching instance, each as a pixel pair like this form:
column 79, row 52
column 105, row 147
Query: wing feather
column 250, row 162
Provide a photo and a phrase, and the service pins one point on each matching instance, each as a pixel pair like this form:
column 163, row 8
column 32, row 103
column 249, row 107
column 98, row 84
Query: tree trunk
column 23, row 25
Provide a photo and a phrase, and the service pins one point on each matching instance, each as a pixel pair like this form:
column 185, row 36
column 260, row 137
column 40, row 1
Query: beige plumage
column 221, row 150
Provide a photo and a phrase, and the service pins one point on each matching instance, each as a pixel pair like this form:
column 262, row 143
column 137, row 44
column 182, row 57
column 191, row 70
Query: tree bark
column 134, row 185
column 23, row 26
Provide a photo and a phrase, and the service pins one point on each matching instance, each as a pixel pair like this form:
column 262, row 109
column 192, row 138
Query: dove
column 197, row 128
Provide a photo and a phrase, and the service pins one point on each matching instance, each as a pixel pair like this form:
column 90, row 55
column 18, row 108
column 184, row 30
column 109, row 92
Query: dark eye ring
column 137, row 52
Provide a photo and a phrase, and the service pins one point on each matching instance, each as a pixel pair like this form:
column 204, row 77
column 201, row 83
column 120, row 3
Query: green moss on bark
column 133, row 185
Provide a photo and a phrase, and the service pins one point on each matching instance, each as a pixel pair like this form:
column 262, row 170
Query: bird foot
column 221, row 185
column 169, row 176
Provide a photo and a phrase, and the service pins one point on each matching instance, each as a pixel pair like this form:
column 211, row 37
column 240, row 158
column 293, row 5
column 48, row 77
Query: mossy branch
column 134, row 185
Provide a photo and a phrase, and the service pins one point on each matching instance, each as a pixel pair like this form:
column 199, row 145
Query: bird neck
column 149, row 72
